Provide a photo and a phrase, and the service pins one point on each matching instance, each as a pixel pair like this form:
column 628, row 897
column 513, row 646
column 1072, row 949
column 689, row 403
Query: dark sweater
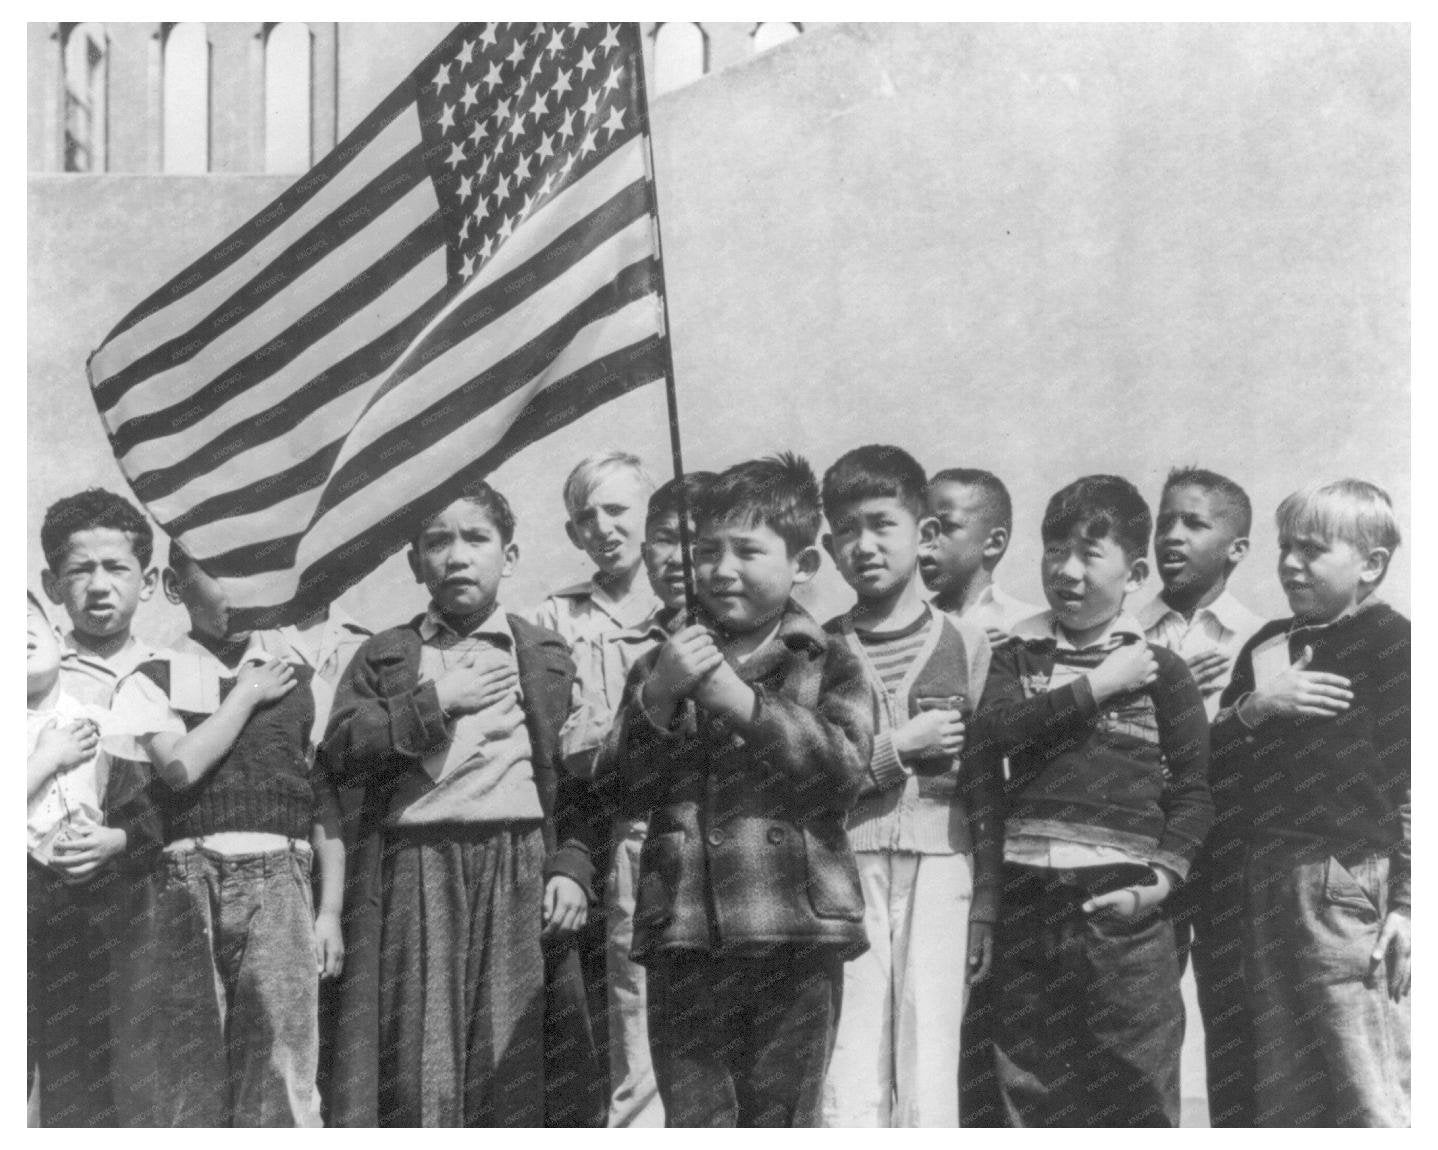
column 262, row 783
column 1341, row 784
column 1132, row 774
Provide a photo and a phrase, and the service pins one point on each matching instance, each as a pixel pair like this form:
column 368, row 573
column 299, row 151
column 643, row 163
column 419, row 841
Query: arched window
column 769, row 34
column 287, row 98
column 680, row 55
column 185, row 104
column 86, row 65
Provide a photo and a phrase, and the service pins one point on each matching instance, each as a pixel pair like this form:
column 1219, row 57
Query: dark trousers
column 1090, row 1022
column 743, row 1041
column 980, row 1102
column 68, row 1007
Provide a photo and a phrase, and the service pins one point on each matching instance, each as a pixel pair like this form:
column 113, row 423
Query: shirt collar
column 1230, row 613
column 333, row 634
column 1045, row 626
column 495, row 626
column 125, row 660
column 635, row 611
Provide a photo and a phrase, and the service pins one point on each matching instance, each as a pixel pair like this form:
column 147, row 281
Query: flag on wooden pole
column 474, row 266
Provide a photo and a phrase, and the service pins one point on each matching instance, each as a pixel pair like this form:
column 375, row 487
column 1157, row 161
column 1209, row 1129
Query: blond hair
column 593, row 470
column 1353, row 510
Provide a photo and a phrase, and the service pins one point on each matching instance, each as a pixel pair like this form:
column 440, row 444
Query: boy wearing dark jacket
column 1107, row 805
column 746, row 738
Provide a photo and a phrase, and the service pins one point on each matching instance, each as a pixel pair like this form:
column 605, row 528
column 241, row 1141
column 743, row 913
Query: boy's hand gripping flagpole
column 670, row 397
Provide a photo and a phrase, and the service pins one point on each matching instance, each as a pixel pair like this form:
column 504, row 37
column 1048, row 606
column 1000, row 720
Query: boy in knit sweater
column 1314, row 735
column 1107, row 804
column 927, row 847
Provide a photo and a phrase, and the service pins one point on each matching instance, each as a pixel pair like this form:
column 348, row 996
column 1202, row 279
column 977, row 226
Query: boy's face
column 609, row 527
column 663, row 559
column 203, row 598
column 99, row 582
column 42, row 653
column 745, row 574
column 875, row 543
column 1195, row 544
column 1326, row 578
column 1086, row 580
column 461, row 557
column 963, row 540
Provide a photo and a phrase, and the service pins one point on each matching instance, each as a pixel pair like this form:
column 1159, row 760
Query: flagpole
column 670, row 396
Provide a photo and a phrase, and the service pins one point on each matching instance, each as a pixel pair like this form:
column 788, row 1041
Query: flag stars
column 466, row 188
column 540, row 107
column 441, row 79
column 562, row 82
column 478, row 132
column 487, row 36
column 591, row 104
column 481, row 211
column 516, row 127
column 466, row 54
column 464, row 229
column 615, row 122
column 455, row 157
column 492, row 78
column 611, row 81
column 566, row 129
column 521, row 168
column 546, row 147
column 486, row 249
column 470, row 97
column 501, row 189
column 516, row 53
column 556, row 42
column 587, row 146
column 468, row 269
column 586, row 63
column 506, row 229
column 501, row 111
column 446, row 118
column 611, row 39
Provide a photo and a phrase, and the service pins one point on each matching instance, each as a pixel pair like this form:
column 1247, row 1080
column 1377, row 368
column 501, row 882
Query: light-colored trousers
column 634, row 1095
column 896, row 1055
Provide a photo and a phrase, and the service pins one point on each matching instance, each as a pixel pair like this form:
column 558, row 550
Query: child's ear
column 1236, row 551
column 511, row 560
column 929, row 528
column 996, row 543
column 573, row 534
column 828, row 541
column 413, row 557
column 1374, row 566
column 1137, row 573
column 171, row 584
column 807, row 564
column 148, row 582
column 51, row 585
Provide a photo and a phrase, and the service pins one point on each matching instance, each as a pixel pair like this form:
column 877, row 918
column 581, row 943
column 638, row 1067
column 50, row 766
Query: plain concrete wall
column 1047, row 250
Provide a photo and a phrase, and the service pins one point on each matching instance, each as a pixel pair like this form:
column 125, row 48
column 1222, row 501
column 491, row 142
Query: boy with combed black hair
column 1315, row 736
column 925, row 832
column 1200, row 537
column 1107, row 804
column 609, row 621
column 747, row 738
column 461, row 996
column 976, row 521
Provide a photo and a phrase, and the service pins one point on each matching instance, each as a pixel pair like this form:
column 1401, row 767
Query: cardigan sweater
column 1132, row 774
column 1342, row 785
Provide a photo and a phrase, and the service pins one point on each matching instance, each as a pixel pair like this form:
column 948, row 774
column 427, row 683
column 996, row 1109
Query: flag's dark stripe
column 467, row 404
column 563, row 252
column 598, row 383
column 271, row 357
column 293, row 198
column 309, row 250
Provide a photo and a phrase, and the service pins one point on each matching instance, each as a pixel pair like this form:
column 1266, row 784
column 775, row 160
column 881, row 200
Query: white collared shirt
column 1225, row 625
column 71, row 796
column 996, row 609
column 89, row 678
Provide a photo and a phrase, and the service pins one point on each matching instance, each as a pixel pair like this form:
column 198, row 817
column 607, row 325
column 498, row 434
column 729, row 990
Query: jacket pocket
column 834, row 890
column 1360, row 889
column 660, row 862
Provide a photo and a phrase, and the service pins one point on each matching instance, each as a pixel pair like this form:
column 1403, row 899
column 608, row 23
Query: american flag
column 474, row 266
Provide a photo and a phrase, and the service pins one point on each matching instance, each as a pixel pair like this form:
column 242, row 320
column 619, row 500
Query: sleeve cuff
column 1176, row 863
column 885, row 768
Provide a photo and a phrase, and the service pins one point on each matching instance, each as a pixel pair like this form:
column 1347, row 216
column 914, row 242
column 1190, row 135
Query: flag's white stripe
column 508, row 332
column 168, row 388
column 398, row 302
column 414, row 475
column 395, row 140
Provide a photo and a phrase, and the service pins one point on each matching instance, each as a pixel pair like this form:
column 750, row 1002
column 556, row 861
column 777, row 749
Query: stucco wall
column 1043, row 250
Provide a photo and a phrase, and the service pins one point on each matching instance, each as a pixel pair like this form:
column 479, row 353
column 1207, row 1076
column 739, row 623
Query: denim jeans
column 1089, row 1022
column 634, row 1095
column 1330, row 1049
column 237, row 1031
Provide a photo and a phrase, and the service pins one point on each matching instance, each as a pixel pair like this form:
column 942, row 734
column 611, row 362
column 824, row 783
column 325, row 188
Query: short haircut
column 487, row 499
column 779, row 492
column 875, row 471
column 998, row 506
column 593, row 470
column 1353, row 510
column 1231, row 495
column 665, row 500
column 1101, row 507
column 86, row 511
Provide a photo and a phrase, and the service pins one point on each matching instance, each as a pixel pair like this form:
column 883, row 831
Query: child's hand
column 1208, row 667
column 1299, row 691
column 329, row 945
column 566, row 907
column 260, row 684
column 476, row 684
column 996, row 635
column 723, row 692
column 79, row 857
column 981, row 951
column 1396, row 938
column 1128, row 668
column 1131, row 901
column 70, row 743
column 686, row 657
column 930, row 735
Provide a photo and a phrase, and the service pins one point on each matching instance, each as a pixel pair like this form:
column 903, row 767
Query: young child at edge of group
column 976, row 521
column 927, row 840
column 1107, row 805
column 1200, row 537
column 97, row 550
column 747, row 738
column 468, row 878
column 609, row 621
column 1316, row 729
column 238, row 949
